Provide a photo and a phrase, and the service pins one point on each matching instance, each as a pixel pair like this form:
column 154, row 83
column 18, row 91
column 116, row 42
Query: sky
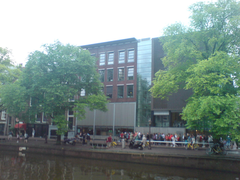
column 28, row 24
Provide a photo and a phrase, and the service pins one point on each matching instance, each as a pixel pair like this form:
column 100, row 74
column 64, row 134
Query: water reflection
column 31, row 167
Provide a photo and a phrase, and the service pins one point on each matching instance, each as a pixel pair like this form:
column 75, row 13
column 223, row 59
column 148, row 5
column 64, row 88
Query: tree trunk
column 58, row 140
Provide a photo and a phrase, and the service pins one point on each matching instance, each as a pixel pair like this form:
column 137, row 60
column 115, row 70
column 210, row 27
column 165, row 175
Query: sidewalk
column 155, row 150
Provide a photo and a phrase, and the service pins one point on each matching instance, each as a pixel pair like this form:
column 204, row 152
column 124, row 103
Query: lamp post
column 149, row 121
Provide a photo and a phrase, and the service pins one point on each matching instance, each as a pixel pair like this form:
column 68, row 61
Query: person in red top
column 121, row 135
column 109, row 141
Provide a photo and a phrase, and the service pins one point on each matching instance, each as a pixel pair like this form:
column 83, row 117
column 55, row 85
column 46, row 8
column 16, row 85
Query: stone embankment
column 159, row 154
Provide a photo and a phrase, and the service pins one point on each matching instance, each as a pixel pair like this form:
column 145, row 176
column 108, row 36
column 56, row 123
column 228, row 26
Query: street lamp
column 149, row 121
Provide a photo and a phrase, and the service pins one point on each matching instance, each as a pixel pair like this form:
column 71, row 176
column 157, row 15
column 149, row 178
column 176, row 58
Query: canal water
column 43, row 167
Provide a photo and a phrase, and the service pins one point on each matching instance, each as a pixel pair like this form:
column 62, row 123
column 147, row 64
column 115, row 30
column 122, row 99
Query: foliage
column 54, row 78
column 144, row 101
column 60, row 121
column 10, row 92
column 205, row 58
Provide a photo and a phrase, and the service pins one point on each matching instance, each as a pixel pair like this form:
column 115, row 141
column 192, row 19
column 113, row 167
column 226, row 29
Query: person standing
column 109, row 141
column 25, row 137
column 33, row 132
column 18, row 137
column 10, row 135
column 84, row 136
column 144, row 140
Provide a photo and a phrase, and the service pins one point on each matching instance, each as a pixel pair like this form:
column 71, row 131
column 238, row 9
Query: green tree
column 205, row 58
column 52, row 80
column 9, row 86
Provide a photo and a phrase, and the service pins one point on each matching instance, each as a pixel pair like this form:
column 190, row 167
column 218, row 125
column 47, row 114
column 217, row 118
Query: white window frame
column 102, row 59
column 3, row 115
column 121, row 60
column 110, row 59
column 131, row 73
column 128, row 57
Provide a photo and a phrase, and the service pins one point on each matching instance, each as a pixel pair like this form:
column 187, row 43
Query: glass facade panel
column 102, row 60
column 110, row 75
column 144, row 54
column 162, row 121
column 120, row 91
column 176, row 120
column 121, row 58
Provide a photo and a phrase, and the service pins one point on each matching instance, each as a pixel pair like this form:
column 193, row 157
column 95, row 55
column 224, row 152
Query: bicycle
column 216, row 149
column 113, row 144
column 194, row 146
column 146, row 144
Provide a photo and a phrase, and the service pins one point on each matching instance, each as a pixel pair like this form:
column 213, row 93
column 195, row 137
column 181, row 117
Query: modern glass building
column 144, row 72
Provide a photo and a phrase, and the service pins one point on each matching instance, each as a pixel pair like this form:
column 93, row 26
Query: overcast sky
column 28, row 24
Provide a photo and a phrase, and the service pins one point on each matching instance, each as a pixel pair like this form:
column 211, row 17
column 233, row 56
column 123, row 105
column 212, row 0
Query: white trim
column 130, row 84
column 109, row 85
column 120, row 84
column 120, row 67
column 3, row 115
column 110, row 68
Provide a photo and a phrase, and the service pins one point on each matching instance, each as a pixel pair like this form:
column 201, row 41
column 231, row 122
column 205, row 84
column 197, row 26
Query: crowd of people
column 174, row 140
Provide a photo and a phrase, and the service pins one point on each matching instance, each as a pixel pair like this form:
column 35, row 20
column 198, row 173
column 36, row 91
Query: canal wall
column 217, row 163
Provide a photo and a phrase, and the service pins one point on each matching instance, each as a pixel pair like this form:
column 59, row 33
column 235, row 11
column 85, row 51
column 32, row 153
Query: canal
column 42, row 167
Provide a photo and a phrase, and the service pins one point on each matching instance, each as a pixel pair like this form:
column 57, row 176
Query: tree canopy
column 9, row 75
column 204, row 57
column 52, row 81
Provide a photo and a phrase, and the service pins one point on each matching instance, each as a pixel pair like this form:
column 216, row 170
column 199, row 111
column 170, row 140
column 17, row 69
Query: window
column 3, row 117
column 82, row 92
column 102, row 60
column 121, row 74
column 162, row 121
column 110, row 75
column 131, row 55
column 120, row 91
column 121, row 58
column 109, row 91
column 39, row 117
column 71, row 99
column 9, row 120
column 102, row 75
column 70, row 112
column 130, row 73
column 70, row 123
column 130, row 91
column 110, row 58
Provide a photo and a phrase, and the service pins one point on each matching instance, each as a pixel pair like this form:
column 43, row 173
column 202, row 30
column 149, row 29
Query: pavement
column 155, row 149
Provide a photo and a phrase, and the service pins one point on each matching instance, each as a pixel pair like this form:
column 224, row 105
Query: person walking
column 25, row 137
column 144, row 140
column 33, row 132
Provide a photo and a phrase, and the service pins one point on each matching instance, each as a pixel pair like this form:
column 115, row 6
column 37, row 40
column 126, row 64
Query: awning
column 21, row 126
